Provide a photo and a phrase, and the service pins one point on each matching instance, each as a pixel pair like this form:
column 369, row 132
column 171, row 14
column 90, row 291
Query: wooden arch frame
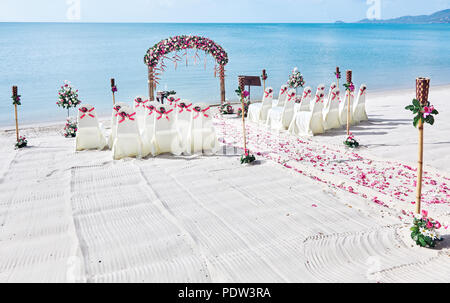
column 179, row 43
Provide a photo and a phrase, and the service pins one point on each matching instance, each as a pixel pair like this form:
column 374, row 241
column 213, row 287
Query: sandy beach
column 309, row 211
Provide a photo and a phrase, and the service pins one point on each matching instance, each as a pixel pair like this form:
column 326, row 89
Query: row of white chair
column 308, row 115
column 149, row 128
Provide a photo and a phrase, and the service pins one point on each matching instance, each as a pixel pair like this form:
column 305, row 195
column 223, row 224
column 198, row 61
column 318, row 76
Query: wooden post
column 349, row 80
column 14, row 91
column 113, row 83
column 243, row 125
column 422, row 90
column 222, row 84
column 151, row 85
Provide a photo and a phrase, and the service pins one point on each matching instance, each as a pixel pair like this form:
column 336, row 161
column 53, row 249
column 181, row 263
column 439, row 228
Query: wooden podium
column 250, row 81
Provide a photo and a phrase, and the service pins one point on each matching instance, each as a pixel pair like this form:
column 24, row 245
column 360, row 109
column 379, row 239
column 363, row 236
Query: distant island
column 438, row 17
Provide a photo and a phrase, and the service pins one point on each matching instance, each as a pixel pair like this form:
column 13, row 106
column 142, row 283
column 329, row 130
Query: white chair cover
column 166, row 137
column 280, row 118
column 343, row 108
column 202, row 136
column 139, row 104
column 148, row 130
column 309, row 123
column 89, row 133
column 282, row 96
column 172, row 101
column 359, row 108
column 258, row 111
column 183, row 116
column 328, row 99
column 115, row 113
column 331, row 112
column 305, row 104
column 128, row 140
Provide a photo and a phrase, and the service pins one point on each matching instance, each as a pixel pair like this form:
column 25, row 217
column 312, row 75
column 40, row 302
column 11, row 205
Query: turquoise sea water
column 38, row 57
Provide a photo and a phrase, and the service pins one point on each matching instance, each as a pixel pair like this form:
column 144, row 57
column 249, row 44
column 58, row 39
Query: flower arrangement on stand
column 247, row 158
column 425, row 230
column 68, row 97
column 296, row 79
column 351, row 141
column 423, row 112
column 264, row 78
column 22, row 142
column 245, row 103
column 70, row 129
column 226, row 109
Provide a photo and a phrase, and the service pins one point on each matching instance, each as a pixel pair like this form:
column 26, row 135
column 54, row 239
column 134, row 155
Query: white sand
column 81, row 217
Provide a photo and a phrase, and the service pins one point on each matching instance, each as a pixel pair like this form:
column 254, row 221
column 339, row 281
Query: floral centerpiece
column 296, row 79
column 351, row 141
column 337, row 74
column 22, row 142
column 425, row 230
column 16, row 99
column 227, row 109
column 70, row 129
column 68, row 96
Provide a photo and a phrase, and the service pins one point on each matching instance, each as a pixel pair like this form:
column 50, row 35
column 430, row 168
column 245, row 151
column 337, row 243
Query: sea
column 39, row 57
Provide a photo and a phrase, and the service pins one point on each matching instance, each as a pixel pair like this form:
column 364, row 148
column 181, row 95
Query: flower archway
column 156, row 55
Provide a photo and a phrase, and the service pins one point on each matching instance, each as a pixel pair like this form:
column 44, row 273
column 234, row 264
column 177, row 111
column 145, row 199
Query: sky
column 265, row 11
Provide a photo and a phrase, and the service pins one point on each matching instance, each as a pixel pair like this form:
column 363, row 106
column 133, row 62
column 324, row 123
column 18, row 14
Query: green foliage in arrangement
column 422, row 113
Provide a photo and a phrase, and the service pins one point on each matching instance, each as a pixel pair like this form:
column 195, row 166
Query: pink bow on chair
column 85, row 112
column 291, row 97
column 124, row 115
column 268, row 93
column 162, row 112
column 362, row 91
column 151, row 108
column 198, row 110
column 319, row 97
column 140, row 102
column 183, row 107
column 306, row 94
column 284, row 90
column 334, row 95
column 173, row 100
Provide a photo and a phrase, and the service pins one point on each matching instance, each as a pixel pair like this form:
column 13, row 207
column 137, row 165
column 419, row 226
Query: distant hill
column 438, row 17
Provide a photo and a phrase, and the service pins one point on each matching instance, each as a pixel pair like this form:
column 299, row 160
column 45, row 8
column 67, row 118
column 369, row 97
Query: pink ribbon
column 172, row 100
column 268, row 93
column 124, row 115
column 334, row 94
column 201, row 111
column 306, row 94
column 166, row 114
column 291, row 97
column 318, row 97
column 283, row 90
column 363, row 91
column 140, row 102
column 151, row 108
column 85, row 112
column 183, row 107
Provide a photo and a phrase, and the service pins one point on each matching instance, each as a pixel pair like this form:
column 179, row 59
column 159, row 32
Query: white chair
column 172, row 101
column 282, row 96
column 320, row 89
column 258, row 111
column 305, row 104
column 343, row 105
column 359, row 108
column 115, row 113
column 140, row 109
column 128, row 140
column 309, row 123
column 166, row 137
column 201, row 136
column 331, row 111
column 147, row 131
column 183, row 116
column 280, row 118
column 327, row 101
column 89, row 133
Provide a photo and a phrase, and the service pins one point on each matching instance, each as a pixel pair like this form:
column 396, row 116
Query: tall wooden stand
column 243, row 124
column 348, row 113
column 17, row 122
column 419, row 169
